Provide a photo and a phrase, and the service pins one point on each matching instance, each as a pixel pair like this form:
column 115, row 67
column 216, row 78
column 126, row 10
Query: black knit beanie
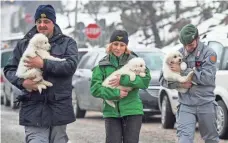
column 45, row 11
column 119, row 35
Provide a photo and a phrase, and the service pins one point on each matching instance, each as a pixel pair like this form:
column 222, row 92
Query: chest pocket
column 58, row 50
column 193, row 62
column 190, row 62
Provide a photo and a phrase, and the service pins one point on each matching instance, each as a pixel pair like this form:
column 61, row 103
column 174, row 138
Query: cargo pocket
column 177, row 114
column 216, row 113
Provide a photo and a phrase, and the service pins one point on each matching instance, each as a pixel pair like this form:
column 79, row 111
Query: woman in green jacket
column 122, row 122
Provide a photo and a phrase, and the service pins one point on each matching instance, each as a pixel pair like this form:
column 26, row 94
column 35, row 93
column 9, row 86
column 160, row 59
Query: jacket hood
column 112, row 60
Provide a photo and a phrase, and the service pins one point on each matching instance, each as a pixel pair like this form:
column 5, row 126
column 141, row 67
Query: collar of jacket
column 57, row 35
column 112, row 60
column 197, row 51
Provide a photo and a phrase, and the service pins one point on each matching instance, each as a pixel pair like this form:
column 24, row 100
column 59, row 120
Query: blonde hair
column 109, row 49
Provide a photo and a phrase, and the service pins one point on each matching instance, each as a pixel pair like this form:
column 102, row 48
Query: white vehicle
column 168, row 99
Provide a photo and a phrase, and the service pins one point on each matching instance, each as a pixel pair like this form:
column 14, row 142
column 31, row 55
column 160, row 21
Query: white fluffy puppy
column 135, row 66
column 38, row 46
column 175, row 57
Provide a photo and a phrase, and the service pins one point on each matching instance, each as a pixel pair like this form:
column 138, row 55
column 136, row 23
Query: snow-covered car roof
column 219, row 36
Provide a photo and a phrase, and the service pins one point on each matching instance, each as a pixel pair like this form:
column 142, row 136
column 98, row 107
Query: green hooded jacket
column 129, row 105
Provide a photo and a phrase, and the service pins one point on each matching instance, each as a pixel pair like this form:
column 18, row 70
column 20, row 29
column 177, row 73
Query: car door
column 82, row 80
column 221, row 52
column 96, row 103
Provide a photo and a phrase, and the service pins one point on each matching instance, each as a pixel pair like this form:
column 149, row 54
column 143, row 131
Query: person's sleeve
column 139, row 82
column 63, row 68
column 99, row 91
column 168, row 84
column 11, row 68
column 206, row 74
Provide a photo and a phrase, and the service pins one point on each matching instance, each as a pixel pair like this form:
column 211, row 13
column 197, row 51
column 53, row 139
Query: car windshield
column 153, row 60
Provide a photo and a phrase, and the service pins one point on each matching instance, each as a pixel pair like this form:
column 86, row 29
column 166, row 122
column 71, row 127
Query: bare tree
column 93, row 8
column 177, row 4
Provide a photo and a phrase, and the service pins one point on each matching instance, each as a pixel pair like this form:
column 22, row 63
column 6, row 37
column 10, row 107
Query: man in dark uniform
column 46, row 115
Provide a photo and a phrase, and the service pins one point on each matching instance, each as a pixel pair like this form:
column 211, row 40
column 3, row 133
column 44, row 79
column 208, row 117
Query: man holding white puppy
column 46, row 115
column 198, row 104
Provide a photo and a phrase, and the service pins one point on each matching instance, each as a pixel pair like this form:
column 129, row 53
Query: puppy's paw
column 29, row 90
column 142, row 74
column 132, row 77
column 47, row 83
column 62, row 60
column 182, row 79
column 111, row 103
column 190, row 75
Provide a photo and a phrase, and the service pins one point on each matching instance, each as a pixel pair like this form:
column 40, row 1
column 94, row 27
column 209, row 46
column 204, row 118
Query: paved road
column 87, row 130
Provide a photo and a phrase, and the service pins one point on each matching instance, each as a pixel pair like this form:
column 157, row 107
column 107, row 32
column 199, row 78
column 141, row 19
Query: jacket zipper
column 118, row 108
column 117, row 103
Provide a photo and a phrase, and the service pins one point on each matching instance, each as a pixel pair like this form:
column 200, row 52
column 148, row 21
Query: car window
column 81, row 54
column 101, row 55
column 153, row 60
column 224, row 64
column 88, row 61
column 218, row 48
column 4, row 58
column 83, row 61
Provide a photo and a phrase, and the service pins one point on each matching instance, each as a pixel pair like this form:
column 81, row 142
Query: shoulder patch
column 213, row 59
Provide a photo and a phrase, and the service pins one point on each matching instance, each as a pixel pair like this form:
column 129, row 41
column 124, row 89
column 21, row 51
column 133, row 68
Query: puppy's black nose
column 179, row 60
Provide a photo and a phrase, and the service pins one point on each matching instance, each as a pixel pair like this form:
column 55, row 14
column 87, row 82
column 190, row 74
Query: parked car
column 82, row 99
column 9, row 92
column 82, row 52
column 168, row 99
column 5, row 54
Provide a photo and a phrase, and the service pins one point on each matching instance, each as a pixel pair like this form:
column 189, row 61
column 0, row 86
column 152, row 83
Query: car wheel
column 6, row 101
column 222, row 120
column 167, row 116
column 12, row 104
column 79, row 113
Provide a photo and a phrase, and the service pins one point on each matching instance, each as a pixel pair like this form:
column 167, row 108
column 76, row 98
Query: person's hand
column 30, row 84
column 123, row 93
column 35, row 62
column 115, row 81
column 186, row 85
column 175, row 67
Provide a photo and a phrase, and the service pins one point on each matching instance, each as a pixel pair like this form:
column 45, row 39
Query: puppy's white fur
column 176, row 58
column 135, row 66
column 38, row 46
